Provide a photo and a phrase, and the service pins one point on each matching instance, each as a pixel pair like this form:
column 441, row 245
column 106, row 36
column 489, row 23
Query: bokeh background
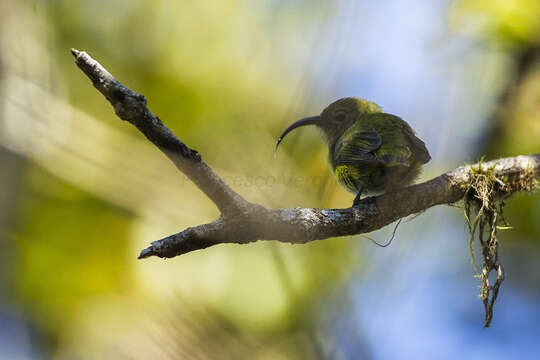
column 81, row 192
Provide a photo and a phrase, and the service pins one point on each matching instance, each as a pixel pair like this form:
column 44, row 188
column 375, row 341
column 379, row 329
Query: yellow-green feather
column 376, row 153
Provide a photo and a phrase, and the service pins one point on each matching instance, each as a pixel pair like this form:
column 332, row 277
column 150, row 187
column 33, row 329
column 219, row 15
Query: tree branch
column 131, row 107
column 243, row 222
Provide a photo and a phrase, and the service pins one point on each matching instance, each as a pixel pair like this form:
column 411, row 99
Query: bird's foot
column 356, row 200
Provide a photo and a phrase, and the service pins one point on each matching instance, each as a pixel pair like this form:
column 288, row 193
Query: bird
column 369, row 151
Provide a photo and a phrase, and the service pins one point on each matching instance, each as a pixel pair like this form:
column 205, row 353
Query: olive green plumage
column 368, row 150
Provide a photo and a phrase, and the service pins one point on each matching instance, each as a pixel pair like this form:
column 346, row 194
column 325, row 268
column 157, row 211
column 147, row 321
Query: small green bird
column 368, row 150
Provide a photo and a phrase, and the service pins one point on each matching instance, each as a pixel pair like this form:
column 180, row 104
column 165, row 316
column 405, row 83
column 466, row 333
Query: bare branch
column 131, row 107
column 301, row 225
column 244, row 222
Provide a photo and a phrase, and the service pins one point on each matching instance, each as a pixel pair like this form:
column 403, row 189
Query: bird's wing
column 357, row 145
column 402, row 146
column 394, row 154
column 380, row 138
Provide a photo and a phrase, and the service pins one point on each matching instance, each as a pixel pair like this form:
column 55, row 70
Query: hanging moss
column 484, row 203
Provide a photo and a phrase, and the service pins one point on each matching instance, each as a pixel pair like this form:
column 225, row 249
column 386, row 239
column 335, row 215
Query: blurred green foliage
column 513, row 23
column 225, row 77
column 71, row 247
column 514, row 125
column 214, row 72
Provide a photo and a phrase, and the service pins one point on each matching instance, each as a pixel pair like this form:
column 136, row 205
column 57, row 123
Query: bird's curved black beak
column 312, row 120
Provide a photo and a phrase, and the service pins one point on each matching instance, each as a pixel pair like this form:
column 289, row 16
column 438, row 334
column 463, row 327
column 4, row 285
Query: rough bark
column 243, row 222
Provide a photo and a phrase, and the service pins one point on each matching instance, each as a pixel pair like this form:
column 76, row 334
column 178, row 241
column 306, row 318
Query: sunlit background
column 81, row 192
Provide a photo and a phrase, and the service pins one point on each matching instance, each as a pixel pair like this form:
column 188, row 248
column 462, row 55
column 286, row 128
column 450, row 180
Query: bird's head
column 337, row 117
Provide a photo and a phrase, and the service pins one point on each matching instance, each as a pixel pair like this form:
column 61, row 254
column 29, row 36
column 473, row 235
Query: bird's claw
column 356, row 200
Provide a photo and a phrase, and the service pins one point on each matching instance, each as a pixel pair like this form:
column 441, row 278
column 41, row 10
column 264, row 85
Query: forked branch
column 243, row 222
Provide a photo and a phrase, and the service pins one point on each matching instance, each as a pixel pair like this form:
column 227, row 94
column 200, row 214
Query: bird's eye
column 340, row 116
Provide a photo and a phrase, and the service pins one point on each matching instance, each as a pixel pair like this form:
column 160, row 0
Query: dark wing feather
column 356, row 145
